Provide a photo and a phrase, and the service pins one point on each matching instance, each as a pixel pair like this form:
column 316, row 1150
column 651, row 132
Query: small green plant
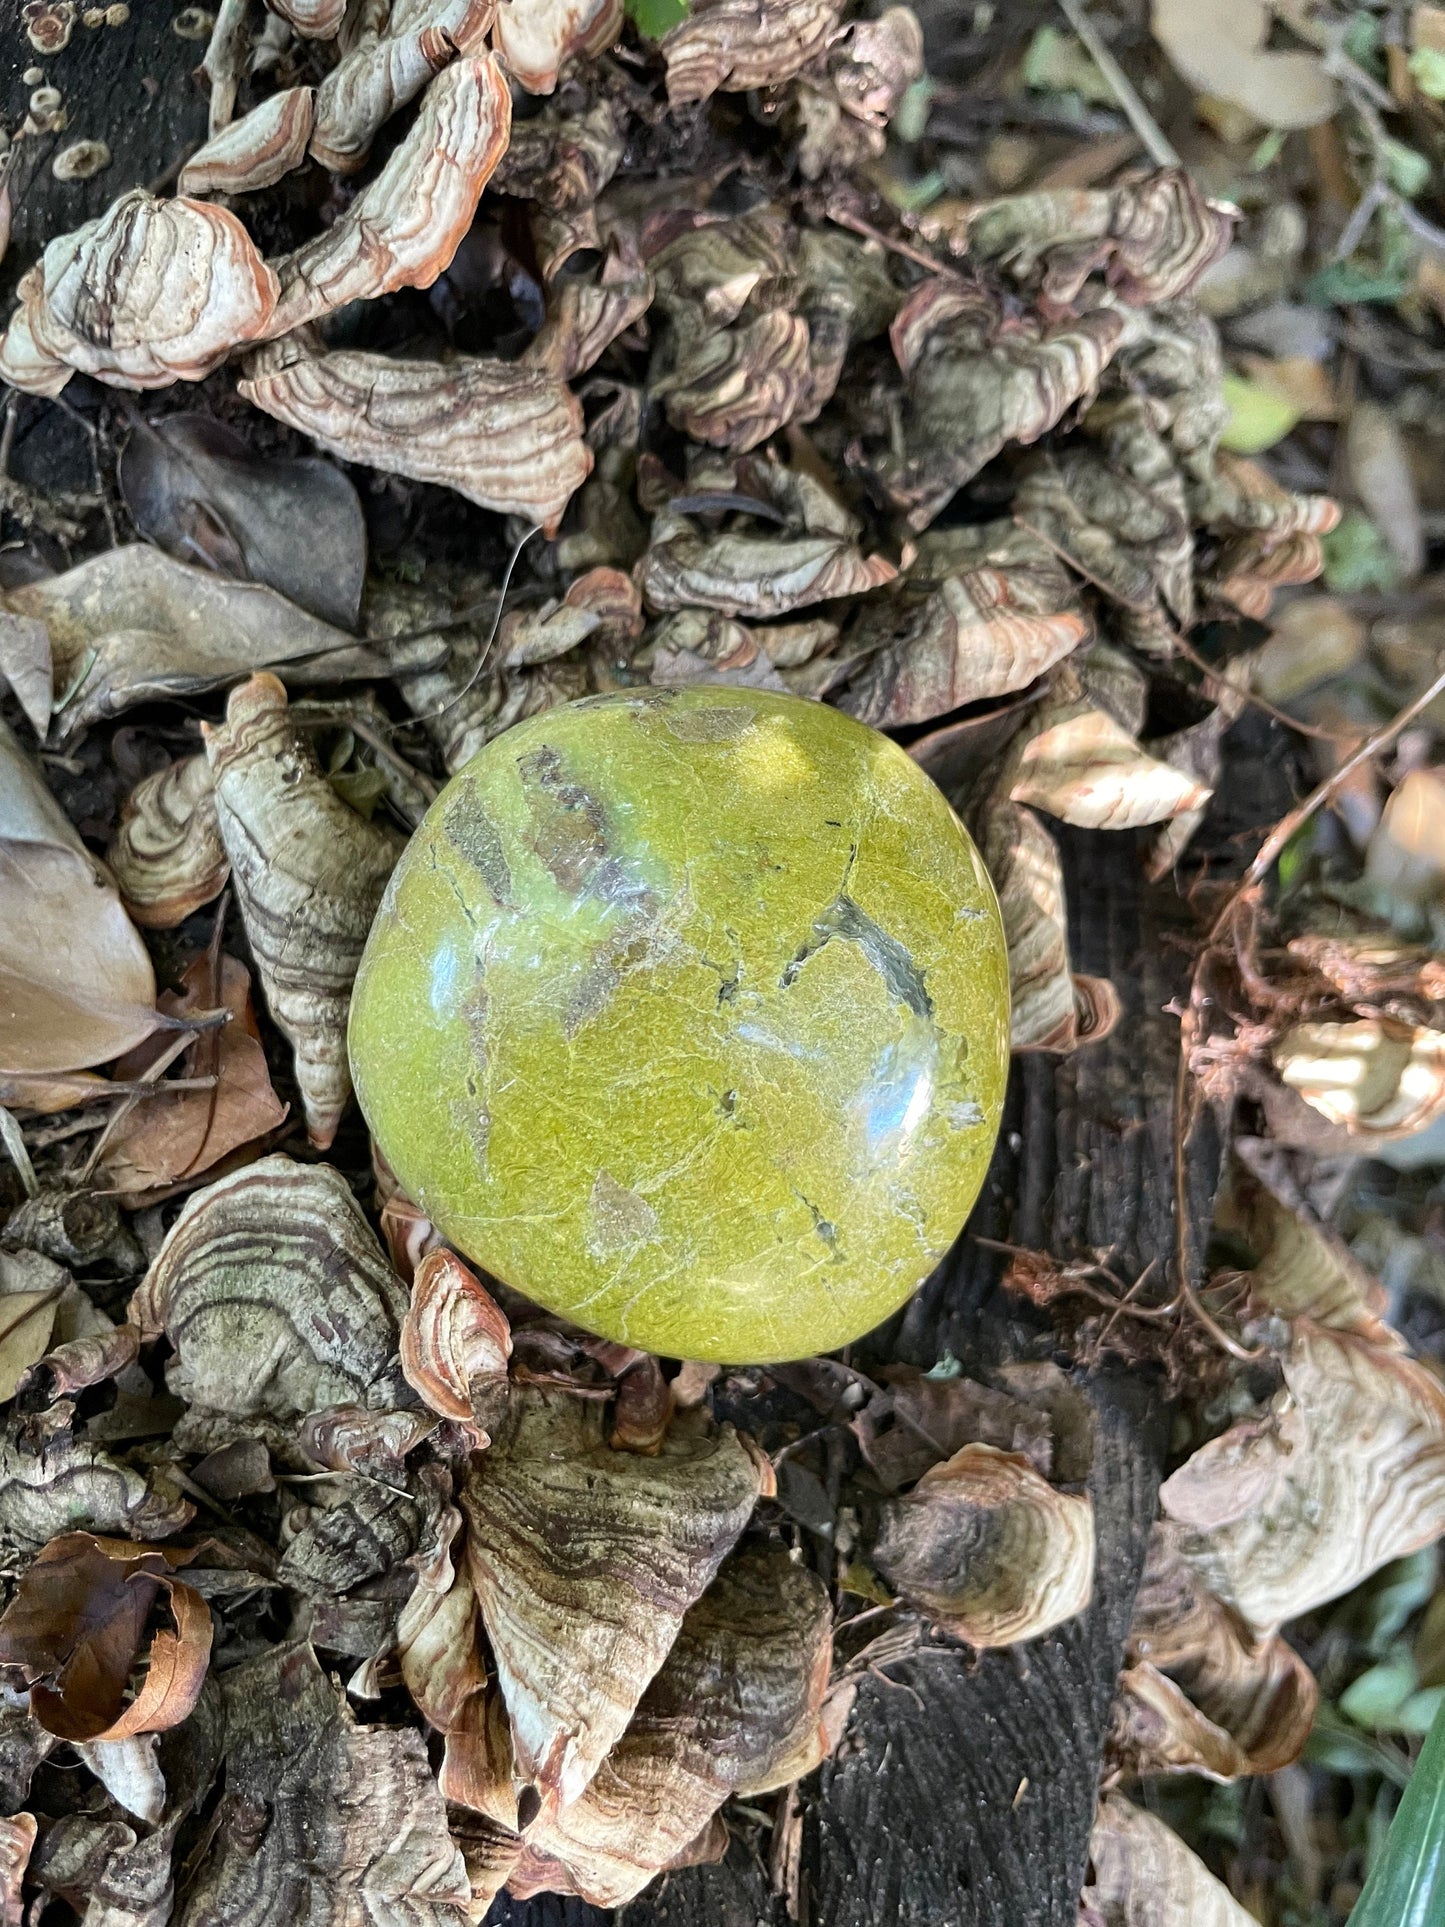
column 654, row 18
column 1407, row 1886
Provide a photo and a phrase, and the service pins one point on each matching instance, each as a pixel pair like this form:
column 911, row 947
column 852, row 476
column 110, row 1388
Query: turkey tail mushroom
column 309, row 874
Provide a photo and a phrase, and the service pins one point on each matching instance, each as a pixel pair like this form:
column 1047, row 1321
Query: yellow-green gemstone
column 686, row 1014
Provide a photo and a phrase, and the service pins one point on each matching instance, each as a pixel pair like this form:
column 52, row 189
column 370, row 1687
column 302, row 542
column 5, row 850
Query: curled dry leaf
column 312, row 19
column 736, row 45
column 603, row 602
column 131, row 624
column 586, row 313
column 1209, row 1695
column 1222, row 53
column 535, row 39
column 17, row 1838
column 578, row 1636
column 990, row 1550
column 76, row 984
column 764, row 1625
column 1302, row 1269
column 255, row 151
column 1153, row 238
column 309, row 873
column 403, row 228
column 67, row 1482
column 149, row 293
column 978, row 379
column 167, row 856
column 382, row 72
column 1078, row 763
column 1377, row 1077
column 1141, row 1874
column 454, row 1332
column 506, row 436
column 275, row 1296
column 1347, row 1472
column 1052, row 1009
column 980, row 612
column 77, row 1625
column 177, row 1136
column 845, row 112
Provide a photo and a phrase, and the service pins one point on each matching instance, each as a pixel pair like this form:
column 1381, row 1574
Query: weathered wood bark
column 964, row 1791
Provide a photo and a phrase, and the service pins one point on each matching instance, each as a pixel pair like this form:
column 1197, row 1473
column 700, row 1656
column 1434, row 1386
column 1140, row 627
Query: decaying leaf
column 845, row 111
column 504, row 435
column 602, row 602
column 736, row 45
column 977, row 379
column 1052, row 1009
column 77, row 1625
column 382, row 71
column 255, row 151
column 149, row 293
column 989, row 1549
column 66, row 1483
column 587, row 312
column 180, row 1135
column 25, row 665
column 275, row 1296
column 76, row 984
column 200, row 491
column 1377, row 1077
column 763, row 1626
column 167, row 856
column 1078, row 763
column 1141, row 1874
column 534, row 39
column 1203, row 1693
column 453, row 1332
column 131, row 624
column 979, row 612
column 308, row 873
column 1152, row 238
column 1346, row 1472
column 403, row 228
column 584, row 1561
column 1222, row 53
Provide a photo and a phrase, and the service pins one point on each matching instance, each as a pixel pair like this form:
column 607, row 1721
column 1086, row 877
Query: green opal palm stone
column 686, row 1015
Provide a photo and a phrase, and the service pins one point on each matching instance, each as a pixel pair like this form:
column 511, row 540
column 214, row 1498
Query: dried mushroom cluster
column 351, row 1588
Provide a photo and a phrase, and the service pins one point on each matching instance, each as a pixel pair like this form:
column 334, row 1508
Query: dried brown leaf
column 77, row 1625
column 1379, row 1078
column 1143, row 1875
column 27, row 1319
column 1078, row 763
column 76, row 984
column 308, row 873
column 504, row 435
column 764, row 1626
column 275, row 1296
column 255, row 151
column 736, row 45
column 179, row 1135
column 131, row 624
column 1153, row 238
column 578, row 1636
column 167, row 857
column 149, row 293
column 977, row 380
column 453, row 1332
column 988, row 1549
column 403, row 228
column 1346, row 1473
column 535, row 39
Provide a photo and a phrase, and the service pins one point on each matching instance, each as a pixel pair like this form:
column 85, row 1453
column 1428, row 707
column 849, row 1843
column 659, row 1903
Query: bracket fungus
column 534, row 39
column 256, row 151
column 167, row 857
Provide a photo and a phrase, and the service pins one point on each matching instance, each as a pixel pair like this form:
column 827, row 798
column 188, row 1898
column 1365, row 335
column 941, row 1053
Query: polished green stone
column 686, row 1014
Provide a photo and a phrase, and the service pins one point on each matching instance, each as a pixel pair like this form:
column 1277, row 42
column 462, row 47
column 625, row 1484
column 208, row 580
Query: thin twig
column 1213, row 671
column 1151, row 135
column 841, row 215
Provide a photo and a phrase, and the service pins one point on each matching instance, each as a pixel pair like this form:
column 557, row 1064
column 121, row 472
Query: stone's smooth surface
column 686, row 1014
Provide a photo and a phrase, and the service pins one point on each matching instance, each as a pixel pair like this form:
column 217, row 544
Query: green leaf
column 1408, row 171
column 1427, row 70
column 1407, row 1885
column 1258, row 417
column 1356, row 557
column 654, row 18
column 1375, row 1698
